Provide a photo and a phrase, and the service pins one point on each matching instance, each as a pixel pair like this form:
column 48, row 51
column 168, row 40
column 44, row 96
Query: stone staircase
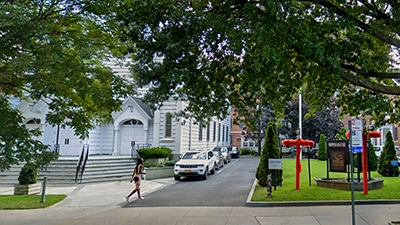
column 62, row 172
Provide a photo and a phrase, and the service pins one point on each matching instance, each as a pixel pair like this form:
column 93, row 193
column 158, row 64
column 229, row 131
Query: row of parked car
column 313, row 154
column 201, row 163
column 378, row 151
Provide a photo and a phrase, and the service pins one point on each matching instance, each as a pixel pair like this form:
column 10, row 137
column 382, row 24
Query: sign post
column 275, row 165
column 356, row 135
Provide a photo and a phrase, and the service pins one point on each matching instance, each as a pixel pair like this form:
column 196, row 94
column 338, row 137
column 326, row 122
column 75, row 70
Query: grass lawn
column 288, row 192
column 28, row 201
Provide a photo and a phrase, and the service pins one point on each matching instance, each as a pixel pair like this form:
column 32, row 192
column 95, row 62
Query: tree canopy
column 53, row 51
column 314, row 124
column 220, row 53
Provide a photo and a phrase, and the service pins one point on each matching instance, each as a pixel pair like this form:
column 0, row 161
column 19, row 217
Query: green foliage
column 270, row 151
column 52, row 53
column 322, row 152
column 248, row 151
column 342, row 134
column 388, row 155
column 154, row 153
column 247, row 50
column 163, row 164
column 28, row 174
column 325, row 121
column 373, row 158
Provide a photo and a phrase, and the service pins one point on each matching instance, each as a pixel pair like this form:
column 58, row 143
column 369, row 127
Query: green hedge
column 28, row 174
column 163, row 164
column 248, row 151
column 154, row 153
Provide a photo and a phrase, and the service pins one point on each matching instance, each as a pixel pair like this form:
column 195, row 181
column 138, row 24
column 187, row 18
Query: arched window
column 34, row 121
column 133, row 122
column 168, row 125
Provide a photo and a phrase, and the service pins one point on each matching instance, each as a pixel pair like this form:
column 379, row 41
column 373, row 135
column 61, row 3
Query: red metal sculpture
column 298, row 142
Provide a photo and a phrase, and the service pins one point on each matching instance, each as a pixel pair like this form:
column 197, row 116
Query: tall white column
column 116, row 137
column 300, row 116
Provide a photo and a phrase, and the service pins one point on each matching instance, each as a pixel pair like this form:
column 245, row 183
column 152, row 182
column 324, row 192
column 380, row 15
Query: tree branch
column 383, row 75
column 365, row 27
column 371, row 85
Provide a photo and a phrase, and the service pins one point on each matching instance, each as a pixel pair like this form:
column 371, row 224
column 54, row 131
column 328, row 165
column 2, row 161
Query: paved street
column 229, row 186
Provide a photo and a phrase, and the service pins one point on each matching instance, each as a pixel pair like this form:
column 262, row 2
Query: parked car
column 226, row 154
column 378, row 151
column 314, row 153
column 235, row 152
column 219, row 159
column 304, row 153
column 195, row 163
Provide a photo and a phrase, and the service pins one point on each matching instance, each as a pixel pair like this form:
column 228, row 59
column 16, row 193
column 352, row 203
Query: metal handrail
column 83, row 157
column 84, row 163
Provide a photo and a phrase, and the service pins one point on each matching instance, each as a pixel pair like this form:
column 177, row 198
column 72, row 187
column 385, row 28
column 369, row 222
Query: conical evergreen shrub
column 270, row 151
column 388, row 154
column 373, row 159
column 322, row 153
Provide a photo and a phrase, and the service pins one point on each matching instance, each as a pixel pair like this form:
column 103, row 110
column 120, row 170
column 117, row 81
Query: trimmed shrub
column 163, row 164
column 373, row 159
column 270, row 151
column 154, row 153
column 388, row 154
column 322, row 153
column 28, row 174
column 248, row 151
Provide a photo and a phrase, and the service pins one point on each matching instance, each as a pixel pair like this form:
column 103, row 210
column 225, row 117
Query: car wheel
column 213, row 170
column 204, row 177
column 176, row 177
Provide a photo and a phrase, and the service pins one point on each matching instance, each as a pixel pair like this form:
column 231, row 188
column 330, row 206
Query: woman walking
column 137, row 178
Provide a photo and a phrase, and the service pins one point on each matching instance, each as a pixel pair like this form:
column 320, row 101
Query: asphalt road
column 229, row 186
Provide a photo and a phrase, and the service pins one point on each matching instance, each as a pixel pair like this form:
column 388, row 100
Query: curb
column 250, row 203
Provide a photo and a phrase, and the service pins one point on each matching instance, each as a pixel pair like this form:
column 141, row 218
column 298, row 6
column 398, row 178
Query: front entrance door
column 131, row 130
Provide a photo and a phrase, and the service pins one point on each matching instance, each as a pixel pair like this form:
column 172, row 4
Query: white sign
column 274, row 164
column 356, row 136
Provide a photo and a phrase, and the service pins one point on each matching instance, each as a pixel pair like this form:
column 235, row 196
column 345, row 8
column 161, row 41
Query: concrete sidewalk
column 103, row 203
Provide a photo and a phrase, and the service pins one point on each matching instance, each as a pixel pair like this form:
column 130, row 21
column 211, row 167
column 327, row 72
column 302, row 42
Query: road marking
column 227, row 165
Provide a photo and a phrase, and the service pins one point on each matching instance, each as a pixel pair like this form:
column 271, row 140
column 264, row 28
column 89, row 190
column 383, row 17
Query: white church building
column 135, row 123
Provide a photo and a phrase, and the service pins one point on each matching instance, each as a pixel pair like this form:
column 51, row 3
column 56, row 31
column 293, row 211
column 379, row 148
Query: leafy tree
column 53, row 52
column 221, row 53
column 270, row 151
column 388, row 155
column 256, row 121
column 342, row 134
column 314, row 124
column 322, row 152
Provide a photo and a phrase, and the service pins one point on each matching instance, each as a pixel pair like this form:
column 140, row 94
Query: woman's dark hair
column 139, row 162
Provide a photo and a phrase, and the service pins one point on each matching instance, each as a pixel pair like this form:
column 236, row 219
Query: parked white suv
column 195, row 163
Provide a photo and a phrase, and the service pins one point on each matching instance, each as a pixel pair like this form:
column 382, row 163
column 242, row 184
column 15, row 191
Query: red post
column 298, row 165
